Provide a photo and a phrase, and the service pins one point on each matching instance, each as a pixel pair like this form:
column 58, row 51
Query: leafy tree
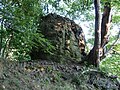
column 18, row 28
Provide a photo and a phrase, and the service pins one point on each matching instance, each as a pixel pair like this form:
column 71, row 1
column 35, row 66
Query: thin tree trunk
column 97, row 42
column 105, row 26
column 94, row 55
column 1, row 37
column 101, row 33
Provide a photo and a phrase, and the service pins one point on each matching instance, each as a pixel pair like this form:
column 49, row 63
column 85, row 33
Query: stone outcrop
column 65, row 35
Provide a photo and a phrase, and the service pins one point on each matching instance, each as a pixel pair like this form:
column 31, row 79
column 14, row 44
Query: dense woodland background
column 22, row 34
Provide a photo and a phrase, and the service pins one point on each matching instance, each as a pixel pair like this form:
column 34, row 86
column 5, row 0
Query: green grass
column 111, row 65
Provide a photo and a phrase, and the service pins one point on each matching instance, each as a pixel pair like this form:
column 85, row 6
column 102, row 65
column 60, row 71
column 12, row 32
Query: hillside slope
column 44, row 75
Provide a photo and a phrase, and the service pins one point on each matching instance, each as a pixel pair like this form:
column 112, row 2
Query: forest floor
column 48, row 75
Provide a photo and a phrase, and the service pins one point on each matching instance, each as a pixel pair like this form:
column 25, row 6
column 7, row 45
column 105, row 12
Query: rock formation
column 65, row 35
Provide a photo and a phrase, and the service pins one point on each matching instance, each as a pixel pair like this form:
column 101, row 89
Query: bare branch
column 111, row 47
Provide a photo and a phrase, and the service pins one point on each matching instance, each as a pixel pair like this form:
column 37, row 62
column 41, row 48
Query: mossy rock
column 65, row 35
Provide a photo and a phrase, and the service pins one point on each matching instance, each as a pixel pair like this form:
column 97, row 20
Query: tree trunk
column 1, row 38
column 94, row 55
column 101, row 33
column 105, row 26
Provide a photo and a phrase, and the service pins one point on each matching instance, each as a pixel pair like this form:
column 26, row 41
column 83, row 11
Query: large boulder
column 65, row 35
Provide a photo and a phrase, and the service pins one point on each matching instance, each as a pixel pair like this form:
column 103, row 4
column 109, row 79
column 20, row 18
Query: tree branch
column 118, row 37
column 105, row 26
